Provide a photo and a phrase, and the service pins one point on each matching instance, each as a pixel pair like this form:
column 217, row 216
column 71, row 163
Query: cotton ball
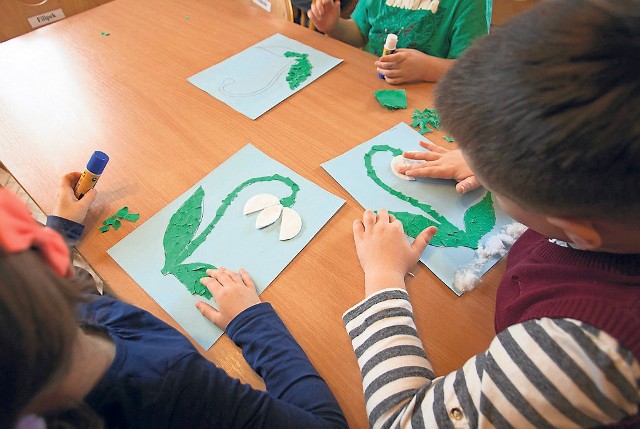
column 466, row 279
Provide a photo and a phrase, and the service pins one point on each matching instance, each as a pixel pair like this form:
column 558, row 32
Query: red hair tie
column 19, row 232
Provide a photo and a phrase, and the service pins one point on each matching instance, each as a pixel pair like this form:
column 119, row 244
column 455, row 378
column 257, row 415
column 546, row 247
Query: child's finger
column 422, row 240
column 211, row 283
column 208, row 311
column 422, row 156
column 246, row 278
column 433, row 147
column 383, row 216
column 368, row 219
column 468, row 184
column 358, row 229
column 89, row 197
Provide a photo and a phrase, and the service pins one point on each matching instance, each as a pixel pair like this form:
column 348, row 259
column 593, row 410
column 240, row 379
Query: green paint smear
column 448, row 138
column 424, row 119
column 479, row 219
column 392, row 99
column 180, row 242
column 300, row 70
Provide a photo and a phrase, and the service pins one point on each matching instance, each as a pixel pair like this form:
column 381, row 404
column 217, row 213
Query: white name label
column 46, row 18
column 265, row 4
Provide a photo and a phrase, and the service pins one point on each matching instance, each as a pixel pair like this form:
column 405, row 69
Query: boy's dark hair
column 37, row 330
column 546, row 109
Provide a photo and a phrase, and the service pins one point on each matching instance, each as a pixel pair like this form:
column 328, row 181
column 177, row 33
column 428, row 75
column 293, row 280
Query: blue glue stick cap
column 97, row 162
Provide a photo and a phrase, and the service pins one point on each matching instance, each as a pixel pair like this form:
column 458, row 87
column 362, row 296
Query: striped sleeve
column 545, row 373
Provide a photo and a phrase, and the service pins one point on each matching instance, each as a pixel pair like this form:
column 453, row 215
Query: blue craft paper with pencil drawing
column 255, row 80
column 234, row 242
column 350, row 172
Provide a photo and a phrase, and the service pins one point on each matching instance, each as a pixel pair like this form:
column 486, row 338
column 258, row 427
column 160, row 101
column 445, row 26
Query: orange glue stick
column 389, row 47
column 91, row 173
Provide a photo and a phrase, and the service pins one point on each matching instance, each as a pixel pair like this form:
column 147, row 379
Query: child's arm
column 68, row 213
column 297, row 393
column 384, row 253
column 411, row 65
column 520, row 381
column 441, row 163
column 325, row 15
column 540, row 373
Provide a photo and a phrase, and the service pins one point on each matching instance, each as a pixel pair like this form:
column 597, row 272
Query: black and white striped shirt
column 543, row 373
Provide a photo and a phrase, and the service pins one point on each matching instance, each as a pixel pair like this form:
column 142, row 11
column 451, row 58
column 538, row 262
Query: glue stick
column 389, row 47
column 91, row 173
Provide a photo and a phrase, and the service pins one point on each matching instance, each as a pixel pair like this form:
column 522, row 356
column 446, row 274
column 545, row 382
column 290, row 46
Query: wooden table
column 67, row 90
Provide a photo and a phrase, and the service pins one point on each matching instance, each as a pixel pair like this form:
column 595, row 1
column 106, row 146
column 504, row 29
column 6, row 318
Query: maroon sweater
column 543, row 279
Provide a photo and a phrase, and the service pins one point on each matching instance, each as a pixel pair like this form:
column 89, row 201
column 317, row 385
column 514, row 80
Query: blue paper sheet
column 234, row 242
column 350, row 172
column 255, row 80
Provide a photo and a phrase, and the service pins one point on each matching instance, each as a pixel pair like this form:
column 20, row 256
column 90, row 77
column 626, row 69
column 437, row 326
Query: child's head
column 37, row 313
column 545, row 109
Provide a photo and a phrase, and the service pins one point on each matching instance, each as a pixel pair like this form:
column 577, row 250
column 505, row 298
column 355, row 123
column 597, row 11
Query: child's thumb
column 422, row 240
column 468, row 184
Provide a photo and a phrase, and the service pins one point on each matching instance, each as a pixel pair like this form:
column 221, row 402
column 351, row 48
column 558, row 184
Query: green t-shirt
column 445, row 34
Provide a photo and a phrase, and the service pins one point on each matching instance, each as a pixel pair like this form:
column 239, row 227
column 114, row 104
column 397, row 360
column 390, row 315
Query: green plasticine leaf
column 447, row 236
column 116, row 225
column 479, row 219
column 104, row 228
column 449, row 139
column 190, row 275
column 110, row 220
column 181, row 229
column 392, row 99
column 300, row 70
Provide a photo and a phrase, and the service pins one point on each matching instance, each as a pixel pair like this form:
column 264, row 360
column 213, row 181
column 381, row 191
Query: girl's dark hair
column 546, row 108
column 37, row 330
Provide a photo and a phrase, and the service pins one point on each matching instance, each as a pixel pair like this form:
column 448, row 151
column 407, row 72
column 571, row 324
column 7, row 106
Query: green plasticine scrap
column 424, row 119
column 114, row 221
column 392, row 99
column 300, row 70
column 123, row 213
column 448, row 138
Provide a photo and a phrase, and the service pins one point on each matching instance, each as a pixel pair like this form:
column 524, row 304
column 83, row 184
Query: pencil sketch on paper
column 298, row 69
column 261, row 76
column 180, row 239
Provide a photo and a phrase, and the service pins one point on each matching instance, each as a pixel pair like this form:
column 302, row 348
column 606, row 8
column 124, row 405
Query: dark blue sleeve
column 70, row 230
column 158, row 379
column 288, row 374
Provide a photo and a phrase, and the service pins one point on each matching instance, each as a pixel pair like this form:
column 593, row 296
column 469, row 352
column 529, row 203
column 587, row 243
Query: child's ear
column 582, row 233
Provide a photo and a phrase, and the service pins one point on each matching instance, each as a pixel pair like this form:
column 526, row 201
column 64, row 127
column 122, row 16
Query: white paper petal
column 291, row 224
column 259, row 202
column 268, row 216
column 401, row 161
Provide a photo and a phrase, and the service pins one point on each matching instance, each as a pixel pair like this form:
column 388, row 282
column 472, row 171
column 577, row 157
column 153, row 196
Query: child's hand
column 233, row 292
column 411, row 65
column 384, row 252
column 67, row 205
column 441, row 163
column 324, row 14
